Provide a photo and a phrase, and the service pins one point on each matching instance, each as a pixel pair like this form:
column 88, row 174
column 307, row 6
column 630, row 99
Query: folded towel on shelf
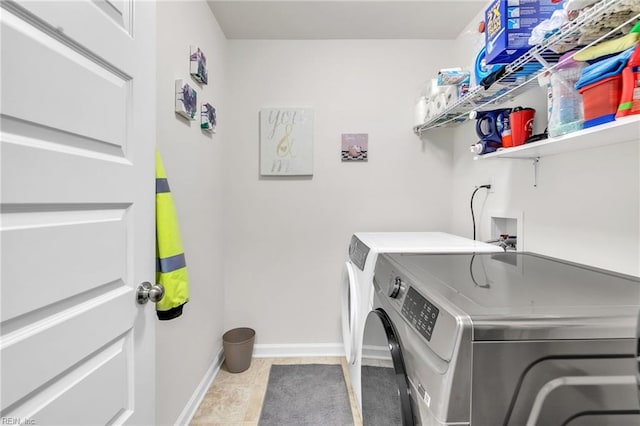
column 616, row 14
column 609, row 47
column 604, row 69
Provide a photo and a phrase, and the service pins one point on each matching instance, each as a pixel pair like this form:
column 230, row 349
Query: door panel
column 56, row 344
column 42, row 168
column 119, row 7
column 34, row 241
column 105, row 370
column 77, row 214
column 60, row 99
column 102, row 20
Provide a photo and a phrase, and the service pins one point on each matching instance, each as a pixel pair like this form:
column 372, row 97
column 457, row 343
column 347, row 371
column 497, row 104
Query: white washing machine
column 357, row 297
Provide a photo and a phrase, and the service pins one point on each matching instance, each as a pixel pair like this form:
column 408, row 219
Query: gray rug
column 306, row 395
column 380, row 398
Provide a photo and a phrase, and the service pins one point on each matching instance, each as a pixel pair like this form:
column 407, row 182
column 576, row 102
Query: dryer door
column 349, row 312
column 385, row 387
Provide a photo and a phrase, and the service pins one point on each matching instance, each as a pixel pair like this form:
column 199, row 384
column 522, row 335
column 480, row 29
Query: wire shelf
column 521, row 75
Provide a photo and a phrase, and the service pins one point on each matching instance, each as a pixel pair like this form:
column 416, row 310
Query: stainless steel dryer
column 499, row 339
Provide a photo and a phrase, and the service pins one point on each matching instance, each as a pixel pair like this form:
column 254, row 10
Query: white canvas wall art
column 198, row 65
column 186, row 100
column 208, row 117
column 286, row 141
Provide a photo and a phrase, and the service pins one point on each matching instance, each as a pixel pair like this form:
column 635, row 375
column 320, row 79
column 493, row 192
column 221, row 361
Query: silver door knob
column 147, row 291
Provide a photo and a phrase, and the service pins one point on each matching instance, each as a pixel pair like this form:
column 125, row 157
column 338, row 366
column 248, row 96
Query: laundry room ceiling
column 344, row 19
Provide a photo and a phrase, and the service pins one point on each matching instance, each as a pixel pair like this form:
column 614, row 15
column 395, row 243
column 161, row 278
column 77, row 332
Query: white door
column 77, row 182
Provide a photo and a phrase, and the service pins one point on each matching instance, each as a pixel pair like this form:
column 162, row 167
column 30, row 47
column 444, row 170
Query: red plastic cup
column 521, row 125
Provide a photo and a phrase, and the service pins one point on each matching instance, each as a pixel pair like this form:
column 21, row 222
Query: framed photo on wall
column 286, row 141
column 208, row 117
column 198, row 65
column 186, row 100
column 355, row 147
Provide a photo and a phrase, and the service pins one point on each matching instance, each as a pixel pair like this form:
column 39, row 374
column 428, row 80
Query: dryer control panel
column 358, row 252
column 424, row 310
column 421, row 313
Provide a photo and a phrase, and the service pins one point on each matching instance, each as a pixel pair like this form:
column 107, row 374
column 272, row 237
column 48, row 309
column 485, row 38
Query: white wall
column 186, row 346
column 286, row 238
column 586, row 205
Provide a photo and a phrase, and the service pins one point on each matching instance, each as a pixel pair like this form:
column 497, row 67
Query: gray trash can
column 238, row 348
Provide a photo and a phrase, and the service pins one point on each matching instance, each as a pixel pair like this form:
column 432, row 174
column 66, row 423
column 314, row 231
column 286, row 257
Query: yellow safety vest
column 171, row 266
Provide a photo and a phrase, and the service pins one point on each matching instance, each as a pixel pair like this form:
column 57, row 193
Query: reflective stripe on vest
column 162, row 185
column 170, row 264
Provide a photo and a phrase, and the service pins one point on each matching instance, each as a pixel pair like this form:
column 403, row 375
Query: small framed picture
column 208, row 118
column 355, row 146
column 186, row 100
column 198, row 65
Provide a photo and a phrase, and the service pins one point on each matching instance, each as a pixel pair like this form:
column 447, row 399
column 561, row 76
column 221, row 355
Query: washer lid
column 523, row 296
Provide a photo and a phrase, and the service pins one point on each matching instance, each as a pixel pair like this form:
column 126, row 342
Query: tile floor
column 236, row 399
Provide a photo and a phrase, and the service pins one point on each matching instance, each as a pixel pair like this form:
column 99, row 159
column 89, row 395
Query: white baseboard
column 198, row 395
column 375, row 352
column 298, row 350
